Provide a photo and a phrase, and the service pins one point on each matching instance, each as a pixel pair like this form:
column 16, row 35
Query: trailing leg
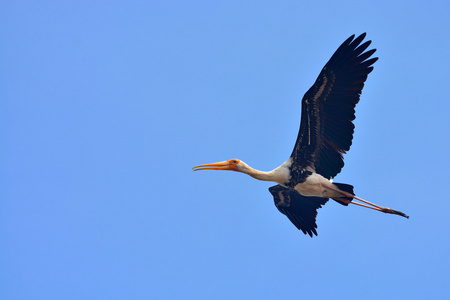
column 347, row 192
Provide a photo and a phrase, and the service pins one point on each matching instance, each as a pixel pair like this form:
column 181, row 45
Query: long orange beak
column 221, row 165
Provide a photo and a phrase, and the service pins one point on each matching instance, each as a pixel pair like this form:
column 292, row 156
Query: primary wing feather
column 300, row 210
column 328, row 109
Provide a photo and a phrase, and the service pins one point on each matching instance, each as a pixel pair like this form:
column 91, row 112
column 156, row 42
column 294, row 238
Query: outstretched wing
column 300, row 210
column 328, row 109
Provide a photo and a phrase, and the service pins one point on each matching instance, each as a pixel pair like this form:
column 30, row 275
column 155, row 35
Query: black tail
column 346, row 188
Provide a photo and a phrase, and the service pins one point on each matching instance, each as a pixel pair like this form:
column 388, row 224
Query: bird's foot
column 393, row 211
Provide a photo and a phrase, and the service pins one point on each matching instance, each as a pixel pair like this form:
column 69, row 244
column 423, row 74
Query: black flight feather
column 300, row 210
column 328, row 109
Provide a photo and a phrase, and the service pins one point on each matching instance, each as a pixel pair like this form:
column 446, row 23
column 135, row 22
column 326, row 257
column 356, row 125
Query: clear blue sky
column 107, row 105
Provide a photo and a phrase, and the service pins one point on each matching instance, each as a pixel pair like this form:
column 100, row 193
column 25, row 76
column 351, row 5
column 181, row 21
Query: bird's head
column 231, row 165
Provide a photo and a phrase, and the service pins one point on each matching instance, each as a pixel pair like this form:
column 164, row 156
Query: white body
column 313, row 186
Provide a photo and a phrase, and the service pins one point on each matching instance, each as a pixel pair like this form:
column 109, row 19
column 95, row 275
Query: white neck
column 279, row 175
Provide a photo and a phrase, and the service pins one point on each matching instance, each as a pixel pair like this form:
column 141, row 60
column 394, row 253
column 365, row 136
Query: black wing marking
column 328, row 109
column 300, row 210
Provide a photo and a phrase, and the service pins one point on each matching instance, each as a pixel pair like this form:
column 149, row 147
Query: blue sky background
column 107, row 105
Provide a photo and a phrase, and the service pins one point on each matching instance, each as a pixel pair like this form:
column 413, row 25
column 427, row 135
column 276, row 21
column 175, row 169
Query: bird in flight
column 305, row 180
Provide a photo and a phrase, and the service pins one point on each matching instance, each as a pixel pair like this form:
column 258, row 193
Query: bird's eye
column 234, row 161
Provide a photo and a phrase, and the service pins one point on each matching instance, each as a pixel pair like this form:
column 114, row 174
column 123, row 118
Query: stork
column 305, row 180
